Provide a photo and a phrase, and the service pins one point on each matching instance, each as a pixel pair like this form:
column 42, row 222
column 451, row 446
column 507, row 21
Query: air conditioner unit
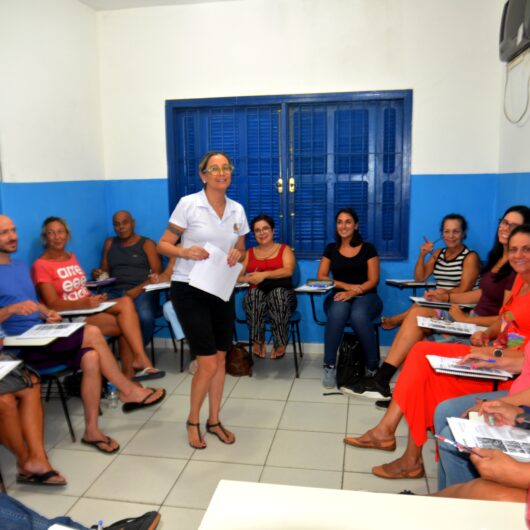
column 515, row 29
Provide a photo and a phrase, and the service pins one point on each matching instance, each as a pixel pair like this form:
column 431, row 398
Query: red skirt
column 419, row 389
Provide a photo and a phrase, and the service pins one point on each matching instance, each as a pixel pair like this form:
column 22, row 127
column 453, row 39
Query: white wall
column 515, row 137
column 447, row 52
column 50, row 114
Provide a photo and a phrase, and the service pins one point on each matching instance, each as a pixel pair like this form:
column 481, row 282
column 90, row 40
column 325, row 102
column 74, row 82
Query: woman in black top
column 354, row 266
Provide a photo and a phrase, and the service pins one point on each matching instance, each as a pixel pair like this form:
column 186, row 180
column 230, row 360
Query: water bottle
column 112, row 396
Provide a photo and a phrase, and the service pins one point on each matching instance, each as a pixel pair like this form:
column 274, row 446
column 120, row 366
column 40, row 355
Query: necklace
column 274, row 249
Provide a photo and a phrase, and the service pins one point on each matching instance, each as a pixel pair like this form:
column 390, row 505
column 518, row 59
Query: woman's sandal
column 201, row 439
column 258, row 349
column 279, row 352
column 211, row 426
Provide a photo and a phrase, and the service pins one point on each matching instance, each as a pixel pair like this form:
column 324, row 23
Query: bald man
column 134, row 262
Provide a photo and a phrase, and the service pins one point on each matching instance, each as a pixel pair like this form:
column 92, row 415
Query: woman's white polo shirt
column 202, row 225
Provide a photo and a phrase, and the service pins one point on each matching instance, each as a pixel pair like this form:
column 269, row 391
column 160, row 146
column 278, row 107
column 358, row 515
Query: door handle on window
column 279, row 185
column 292, row 186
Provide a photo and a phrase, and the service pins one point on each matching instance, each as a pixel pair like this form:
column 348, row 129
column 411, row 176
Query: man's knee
column 8, row 401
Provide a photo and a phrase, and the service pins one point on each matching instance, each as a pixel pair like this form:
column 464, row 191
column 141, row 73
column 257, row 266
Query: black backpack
column 350, row 365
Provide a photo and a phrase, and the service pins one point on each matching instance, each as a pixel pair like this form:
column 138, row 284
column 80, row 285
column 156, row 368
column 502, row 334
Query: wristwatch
column 498, row 352
column 523, row 420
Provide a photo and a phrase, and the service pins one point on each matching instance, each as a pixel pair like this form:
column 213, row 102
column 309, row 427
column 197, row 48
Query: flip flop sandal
column 98, row 446
column 39, row 479
column 132, row 406
column 225, row 432
column 201, row 439
column 148, row 373
column 147, row 521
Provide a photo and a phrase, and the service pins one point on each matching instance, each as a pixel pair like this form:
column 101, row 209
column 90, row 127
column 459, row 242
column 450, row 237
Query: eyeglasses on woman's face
column 504, row 223
column 216, row 170
column 263, row 230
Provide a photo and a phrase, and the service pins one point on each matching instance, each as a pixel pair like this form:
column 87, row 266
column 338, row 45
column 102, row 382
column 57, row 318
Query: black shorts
column 206, row 320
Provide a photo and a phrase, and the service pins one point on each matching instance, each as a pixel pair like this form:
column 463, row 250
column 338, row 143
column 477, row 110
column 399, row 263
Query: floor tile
column 180, row 518
column 312, row 390
column 258, row 387
column 90, row 511
column 251, row 447
column 259, row 413
column 302, row 477
column 311, row 368
column 369, row 482
column 120, row 429
column 184, row 388
column 322, row 417
column 197, row 483
column 175, row 408
column 362, row 418
column 47, row 505
column 80, row 468
column 307, row 450
column 363, row 460
column 161, row 438
column 137, row 479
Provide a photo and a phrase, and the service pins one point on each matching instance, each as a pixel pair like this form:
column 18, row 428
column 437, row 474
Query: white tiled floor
column 288, row 432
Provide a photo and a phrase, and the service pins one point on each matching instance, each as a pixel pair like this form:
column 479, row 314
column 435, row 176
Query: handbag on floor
column 238, row 360
column 350, row 365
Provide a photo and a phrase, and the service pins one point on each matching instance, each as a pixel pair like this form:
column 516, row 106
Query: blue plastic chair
column 52, row 375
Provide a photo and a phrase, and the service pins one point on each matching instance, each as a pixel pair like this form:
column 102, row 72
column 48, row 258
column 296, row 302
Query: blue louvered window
column 301, row 158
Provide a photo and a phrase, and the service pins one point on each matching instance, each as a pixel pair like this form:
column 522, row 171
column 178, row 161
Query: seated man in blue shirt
column 85, row 349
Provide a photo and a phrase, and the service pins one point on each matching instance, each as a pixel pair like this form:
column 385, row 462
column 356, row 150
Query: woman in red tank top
column 268, row 268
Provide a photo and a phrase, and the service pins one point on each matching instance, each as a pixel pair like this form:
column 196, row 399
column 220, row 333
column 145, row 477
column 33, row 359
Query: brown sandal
column 201, row 439
column 225, row 432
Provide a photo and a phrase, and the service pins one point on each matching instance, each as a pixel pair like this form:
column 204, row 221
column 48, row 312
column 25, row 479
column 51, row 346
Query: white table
column 249, row 505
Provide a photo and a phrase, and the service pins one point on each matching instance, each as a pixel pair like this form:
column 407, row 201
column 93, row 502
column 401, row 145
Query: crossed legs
column 22, row 431
column 121, row 320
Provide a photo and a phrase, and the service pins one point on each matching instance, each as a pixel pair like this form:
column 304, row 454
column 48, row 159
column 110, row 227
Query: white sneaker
column 192, row 368
column 329, row 379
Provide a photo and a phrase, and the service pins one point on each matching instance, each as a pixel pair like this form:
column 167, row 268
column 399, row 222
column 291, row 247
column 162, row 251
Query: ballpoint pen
column 457, row 445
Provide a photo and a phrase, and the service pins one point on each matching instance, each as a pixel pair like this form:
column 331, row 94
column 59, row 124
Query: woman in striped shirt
column 456, row 268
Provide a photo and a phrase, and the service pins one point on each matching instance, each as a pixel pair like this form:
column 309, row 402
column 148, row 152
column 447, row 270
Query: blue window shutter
column 343, row 150
column 309, row 154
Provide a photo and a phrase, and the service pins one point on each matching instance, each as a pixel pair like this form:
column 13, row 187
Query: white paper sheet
column 313, row 288
column 51, row 331
column 101, row 307
column 449, row 365
column 6, row 367
column 437, row 305
column 510, row 440
column 214, row 275
column 458, row 328
column 157, row 286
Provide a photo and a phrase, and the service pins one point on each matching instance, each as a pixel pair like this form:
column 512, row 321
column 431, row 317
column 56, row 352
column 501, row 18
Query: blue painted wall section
column 89, row 205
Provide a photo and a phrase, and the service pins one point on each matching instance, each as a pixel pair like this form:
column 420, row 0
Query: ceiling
column 109, row 5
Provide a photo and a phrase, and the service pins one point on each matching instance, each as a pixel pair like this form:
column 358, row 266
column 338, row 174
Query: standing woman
column 208, row 216
column 354, row 266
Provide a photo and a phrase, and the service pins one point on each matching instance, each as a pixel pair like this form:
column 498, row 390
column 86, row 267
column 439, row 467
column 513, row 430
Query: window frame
column 406, row 97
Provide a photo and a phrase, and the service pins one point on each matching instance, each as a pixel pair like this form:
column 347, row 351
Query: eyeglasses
column 263, row 230
column 216, row 170
column 503, row 223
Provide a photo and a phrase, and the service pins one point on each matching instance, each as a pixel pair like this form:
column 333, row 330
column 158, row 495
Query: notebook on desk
column 449, row 365
column 438, row 305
